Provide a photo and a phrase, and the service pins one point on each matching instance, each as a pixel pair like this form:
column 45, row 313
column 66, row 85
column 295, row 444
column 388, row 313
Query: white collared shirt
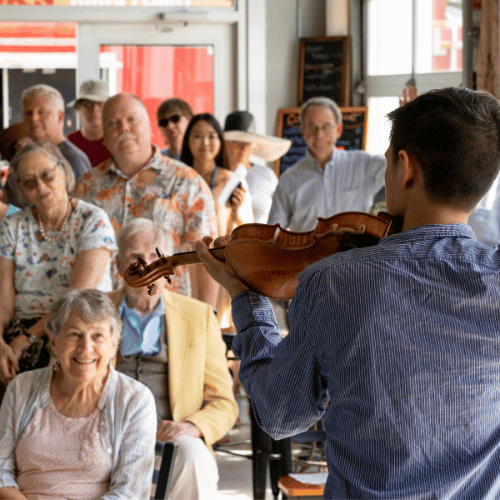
column 306, row 191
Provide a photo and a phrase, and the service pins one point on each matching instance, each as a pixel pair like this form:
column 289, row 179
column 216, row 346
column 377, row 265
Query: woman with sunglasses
column 173, row 118
column 55, row 243
column 203, row 149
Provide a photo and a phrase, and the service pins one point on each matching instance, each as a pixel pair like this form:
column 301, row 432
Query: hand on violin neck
column 219, row 271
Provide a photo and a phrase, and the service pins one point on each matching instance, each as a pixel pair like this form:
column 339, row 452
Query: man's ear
column 60, row 116
column 408, row 172
column 339, row 127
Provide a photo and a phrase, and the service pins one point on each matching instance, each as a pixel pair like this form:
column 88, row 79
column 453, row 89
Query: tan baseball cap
column 92, row 90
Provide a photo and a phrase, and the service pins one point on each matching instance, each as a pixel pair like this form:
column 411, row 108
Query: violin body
column 269, row 259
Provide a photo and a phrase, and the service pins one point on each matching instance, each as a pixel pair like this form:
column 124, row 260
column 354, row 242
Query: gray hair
column 92, row 305
column 140, row 225
column 51, row 151
column 52, row 94
column 324, row 102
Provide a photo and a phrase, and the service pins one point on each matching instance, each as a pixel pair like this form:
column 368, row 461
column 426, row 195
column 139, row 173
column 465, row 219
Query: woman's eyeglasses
column 46, row 177
column 163, row 122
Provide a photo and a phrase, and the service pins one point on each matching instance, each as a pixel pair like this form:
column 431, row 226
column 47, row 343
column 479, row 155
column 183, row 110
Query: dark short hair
column 186, row 155
column 454, row 135
column 51, row 151
column 174, row 104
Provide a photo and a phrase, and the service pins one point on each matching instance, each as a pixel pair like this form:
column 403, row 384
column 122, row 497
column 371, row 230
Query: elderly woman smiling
column 55, row 243
column 78, row 429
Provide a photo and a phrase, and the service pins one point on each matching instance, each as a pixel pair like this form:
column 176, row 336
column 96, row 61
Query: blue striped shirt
column 402, row 339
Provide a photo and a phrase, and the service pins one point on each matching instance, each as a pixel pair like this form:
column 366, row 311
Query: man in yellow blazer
column 173, row 345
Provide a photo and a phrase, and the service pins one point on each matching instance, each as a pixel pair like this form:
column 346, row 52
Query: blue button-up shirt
column 306, row 191
column 141, row 334
column 403, row 340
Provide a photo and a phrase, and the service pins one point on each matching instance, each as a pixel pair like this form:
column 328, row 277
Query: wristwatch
column 32, row 339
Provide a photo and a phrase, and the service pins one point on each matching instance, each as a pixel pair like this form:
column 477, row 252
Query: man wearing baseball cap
column 91, row 97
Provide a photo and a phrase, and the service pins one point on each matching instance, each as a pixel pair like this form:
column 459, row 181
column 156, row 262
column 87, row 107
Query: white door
column 216, row 38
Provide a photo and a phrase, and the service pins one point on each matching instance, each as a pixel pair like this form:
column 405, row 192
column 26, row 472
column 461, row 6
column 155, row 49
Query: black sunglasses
column 163, row 122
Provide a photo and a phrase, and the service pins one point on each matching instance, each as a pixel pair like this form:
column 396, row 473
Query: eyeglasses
column 163, row 122
column 46, row 177
column 313, row 129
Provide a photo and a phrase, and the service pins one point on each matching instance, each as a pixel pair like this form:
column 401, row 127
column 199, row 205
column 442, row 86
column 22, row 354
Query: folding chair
column 164, row 461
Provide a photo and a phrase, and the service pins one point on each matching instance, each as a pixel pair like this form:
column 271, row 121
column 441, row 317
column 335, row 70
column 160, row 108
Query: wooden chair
column 164, row 461
column 295, row 489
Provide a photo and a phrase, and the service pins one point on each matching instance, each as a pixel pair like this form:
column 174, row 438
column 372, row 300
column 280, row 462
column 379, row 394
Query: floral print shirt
column 164, row 190
column 43, row 268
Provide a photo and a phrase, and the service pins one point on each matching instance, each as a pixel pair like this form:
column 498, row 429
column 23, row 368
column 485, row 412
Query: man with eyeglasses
column 173, row 117
column 91, row 98
column 326, row 181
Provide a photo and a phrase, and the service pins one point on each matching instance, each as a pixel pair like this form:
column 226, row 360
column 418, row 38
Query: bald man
column 154, row 187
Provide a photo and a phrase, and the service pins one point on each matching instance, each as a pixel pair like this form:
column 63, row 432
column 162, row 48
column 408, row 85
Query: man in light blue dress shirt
column 402, row 338
column 326, row 181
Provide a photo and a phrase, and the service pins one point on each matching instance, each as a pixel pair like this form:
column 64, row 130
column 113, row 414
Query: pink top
column 61, row 457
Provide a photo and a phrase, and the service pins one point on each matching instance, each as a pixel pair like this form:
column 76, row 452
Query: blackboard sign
column 354, row 120
column 324, row 68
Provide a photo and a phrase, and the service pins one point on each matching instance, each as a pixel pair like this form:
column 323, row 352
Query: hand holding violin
column 219, row 270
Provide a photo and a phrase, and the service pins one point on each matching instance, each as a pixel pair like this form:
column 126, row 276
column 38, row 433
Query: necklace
column 61, row 232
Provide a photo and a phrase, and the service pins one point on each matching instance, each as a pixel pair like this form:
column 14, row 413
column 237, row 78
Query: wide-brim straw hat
column 240, row 127
column 91, row 90
column 8, row 138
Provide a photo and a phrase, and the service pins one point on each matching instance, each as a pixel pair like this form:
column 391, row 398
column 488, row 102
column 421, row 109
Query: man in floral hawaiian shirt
column 138, row 181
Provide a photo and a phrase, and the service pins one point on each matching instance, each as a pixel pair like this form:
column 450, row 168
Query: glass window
column 156, row 73
column 379, row 127
column 123, row 3
column 438, row 32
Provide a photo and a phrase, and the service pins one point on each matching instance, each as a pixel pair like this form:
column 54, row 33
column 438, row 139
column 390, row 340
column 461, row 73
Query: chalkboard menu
column 324, row 68
column 354, row 120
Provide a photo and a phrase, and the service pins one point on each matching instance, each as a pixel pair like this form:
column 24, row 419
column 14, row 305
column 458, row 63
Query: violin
column 268, row 258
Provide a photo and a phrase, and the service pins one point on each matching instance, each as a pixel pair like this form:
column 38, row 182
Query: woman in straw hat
column 245, row 146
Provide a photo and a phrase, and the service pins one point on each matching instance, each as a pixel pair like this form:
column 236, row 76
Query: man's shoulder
column 83, row 206
column 76, row 157
column 184, row 176
column 183, row 302
column 358, row 155
column 172, row 166
column 297, row 168
column 67, row 148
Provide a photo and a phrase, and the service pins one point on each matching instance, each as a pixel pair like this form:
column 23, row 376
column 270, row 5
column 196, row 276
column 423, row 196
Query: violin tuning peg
column 160, row 255
column 152, row 289
column 168, row 280
column 141, row 262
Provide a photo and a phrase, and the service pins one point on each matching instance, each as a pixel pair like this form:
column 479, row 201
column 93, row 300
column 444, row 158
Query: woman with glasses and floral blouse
column 55, row 243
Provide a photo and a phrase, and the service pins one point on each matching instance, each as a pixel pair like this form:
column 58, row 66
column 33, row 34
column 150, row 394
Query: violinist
column 400, row 338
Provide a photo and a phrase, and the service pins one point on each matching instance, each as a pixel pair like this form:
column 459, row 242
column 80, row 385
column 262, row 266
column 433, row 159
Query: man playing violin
column 401, row 338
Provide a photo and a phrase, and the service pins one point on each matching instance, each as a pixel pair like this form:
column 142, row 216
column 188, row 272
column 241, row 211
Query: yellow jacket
column 200, row 386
